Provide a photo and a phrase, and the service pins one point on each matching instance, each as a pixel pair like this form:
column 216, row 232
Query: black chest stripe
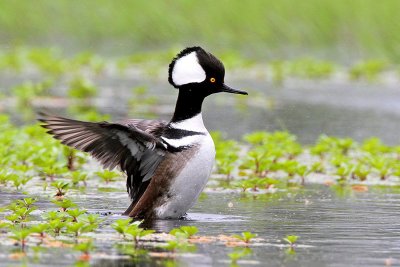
column 173, row 133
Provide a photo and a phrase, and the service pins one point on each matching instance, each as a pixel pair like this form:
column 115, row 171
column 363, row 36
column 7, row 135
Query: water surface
column 336, row 227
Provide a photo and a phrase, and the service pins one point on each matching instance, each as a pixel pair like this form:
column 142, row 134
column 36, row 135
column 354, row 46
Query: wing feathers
column 136, row 151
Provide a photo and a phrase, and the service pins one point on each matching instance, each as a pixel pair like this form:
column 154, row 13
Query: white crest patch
column 188, row 70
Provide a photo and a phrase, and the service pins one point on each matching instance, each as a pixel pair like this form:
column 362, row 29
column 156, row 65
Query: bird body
column 167, row 163
column 185, row 188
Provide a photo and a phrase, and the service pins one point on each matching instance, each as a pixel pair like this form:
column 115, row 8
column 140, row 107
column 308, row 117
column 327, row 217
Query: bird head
column 200, row 72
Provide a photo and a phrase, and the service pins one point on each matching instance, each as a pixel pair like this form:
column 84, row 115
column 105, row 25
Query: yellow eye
column 212, row 80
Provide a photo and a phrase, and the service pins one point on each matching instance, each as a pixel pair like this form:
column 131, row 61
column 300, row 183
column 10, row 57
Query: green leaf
column 291, row 239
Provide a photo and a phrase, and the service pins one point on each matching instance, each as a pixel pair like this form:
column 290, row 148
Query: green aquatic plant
column 239, row 253
column 108, row 176
column 291, row 239
column 245, row 236
column 18, row 180
column 81, row 88
column 259, row 160
column 57, row 225
column 21, row 210
column 289, row 166
column 226, row 163
column 51, row 171
column 255, row 183
column 77, row 177
column 84, row 111
column 25, row 94
column 75, row 213
column 128, row 227
column 232, row 59
column 310, row 68
column 179, row 244
column 26, row 202
column 92, row 221
column 302, row 171
column 74, row 157
column 64, row 204
column 381, row 164
column 374, row 145
column 21, row 235
column 78, row 228
column 4, row 224
column 267, row 149
column 87, row 60
column 47, row 60
column 226, row 155
column 361, row 172
column 369, row 69
column 21, row 169
column 52, row 215
column 132, row 251
column 256, row 138
column 121, row 226
column 137, row 232
column 317, row 167
column 13, row 218
column 40, row 229
column 4, row 177
column 332, row 145
column 338, row 160
column 185, row 231
column 13, row 60
column 344, row 171
column 62, row 188
column 85, row 248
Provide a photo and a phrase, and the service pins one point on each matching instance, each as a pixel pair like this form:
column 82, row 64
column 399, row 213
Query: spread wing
column 136, row 151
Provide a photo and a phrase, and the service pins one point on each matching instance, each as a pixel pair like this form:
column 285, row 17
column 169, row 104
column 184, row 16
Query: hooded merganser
column 167, row 163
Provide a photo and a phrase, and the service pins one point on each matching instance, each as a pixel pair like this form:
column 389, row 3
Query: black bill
column 226, row 88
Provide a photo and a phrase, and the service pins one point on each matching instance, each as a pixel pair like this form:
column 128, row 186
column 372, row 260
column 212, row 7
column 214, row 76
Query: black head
column 199, row 71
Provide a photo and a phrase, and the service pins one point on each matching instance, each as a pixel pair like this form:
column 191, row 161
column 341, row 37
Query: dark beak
column 226, row 88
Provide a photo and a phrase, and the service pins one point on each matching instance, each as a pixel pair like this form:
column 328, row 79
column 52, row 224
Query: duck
column 167, row 164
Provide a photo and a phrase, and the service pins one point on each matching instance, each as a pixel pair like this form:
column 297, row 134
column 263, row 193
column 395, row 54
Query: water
column 305, row 108
column 336, row 228
column 360, row 229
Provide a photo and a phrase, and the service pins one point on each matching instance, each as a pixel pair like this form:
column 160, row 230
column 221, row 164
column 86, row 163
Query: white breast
column 187, row 186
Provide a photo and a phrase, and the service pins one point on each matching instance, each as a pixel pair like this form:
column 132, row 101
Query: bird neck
column 188, row 105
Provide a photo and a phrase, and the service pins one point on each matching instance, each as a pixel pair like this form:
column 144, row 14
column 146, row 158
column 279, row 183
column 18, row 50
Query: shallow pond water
column 337, row 227
column 306, row 108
